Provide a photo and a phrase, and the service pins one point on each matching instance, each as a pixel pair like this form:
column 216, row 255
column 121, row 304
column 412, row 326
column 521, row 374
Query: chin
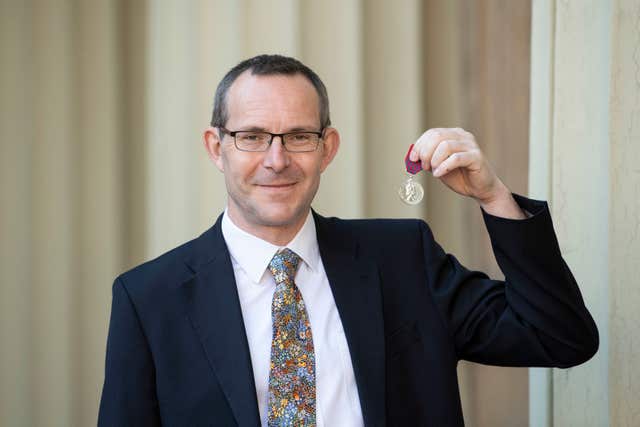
column 279, row 216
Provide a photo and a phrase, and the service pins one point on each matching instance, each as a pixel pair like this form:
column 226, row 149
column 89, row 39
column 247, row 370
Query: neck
column 278, row 235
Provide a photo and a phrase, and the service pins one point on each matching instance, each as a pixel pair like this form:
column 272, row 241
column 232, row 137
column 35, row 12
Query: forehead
column 263, row 100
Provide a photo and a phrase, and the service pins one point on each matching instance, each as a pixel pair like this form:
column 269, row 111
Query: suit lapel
column 356, row 289
column 214, row 309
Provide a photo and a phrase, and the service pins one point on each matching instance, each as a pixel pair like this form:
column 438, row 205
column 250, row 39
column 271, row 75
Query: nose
column 276, row 158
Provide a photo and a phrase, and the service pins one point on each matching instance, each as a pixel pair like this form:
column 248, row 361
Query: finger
column 465, row 134
column 449, row 133
column 426, row 145
column 433, row 134
column 447, row 148
column 414, row 156
column 428, row 141
column 457, row 160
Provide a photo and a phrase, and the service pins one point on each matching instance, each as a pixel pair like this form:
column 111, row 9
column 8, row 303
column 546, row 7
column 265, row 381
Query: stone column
column 585, row 114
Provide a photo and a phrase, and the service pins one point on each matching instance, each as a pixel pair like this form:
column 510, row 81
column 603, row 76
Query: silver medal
column 410, row 191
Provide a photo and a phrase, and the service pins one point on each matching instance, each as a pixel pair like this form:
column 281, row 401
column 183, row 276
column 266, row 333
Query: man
column 279, row 316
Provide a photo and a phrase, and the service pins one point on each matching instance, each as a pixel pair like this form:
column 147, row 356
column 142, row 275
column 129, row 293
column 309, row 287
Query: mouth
column 277, row 187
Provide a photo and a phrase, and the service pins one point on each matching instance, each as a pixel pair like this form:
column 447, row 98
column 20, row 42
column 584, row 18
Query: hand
column 454, row 157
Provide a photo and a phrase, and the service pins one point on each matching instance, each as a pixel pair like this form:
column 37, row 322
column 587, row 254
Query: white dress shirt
column 337, row 401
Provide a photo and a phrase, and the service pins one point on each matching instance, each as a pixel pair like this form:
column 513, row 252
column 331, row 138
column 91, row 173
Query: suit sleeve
column 128, row 394
column 536, row 317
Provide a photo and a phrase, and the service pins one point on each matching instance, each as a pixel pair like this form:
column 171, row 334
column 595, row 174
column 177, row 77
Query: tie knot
column 284, row 264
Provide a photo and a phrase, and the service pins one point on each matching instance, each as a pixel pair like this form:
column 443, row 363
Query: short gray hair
column 265, row 65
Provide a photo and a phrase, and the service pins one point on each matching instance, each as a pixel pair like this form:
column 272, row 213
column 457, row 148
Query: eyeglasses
column 295, row 142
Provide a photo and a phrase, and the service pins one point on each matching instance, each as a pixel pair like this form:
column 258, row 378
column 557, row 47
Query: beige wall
column 585, row 92
column 478, row 78
column 624, row 215
column 62, row 211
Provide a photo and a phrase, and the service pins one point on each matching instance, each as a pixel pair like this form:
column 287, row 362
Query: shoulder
column 169, row 270
column 168, row 263
column 374, row 224
column 376, row 231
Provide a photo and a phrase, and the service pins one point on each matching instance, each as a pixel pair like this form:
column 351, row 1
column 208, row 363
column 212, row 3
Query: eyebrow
column 293, row 129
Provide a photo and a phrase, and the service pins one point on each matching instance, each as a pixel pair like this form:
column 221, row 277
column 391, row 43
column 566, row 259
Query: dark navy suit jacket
column 177, row 353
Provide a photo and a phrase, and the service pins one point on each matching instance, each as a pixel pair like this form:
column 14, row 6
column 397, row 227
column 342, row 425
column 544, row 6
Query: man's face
column 272, row 188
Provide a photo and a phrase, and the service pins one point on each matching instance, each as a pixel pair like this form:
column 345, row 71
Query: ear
column 330, row 147
column 213, row 145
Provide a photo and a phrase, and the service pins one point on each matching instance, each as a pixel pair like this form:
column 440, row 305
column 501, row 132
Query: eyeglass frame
column 273, row 135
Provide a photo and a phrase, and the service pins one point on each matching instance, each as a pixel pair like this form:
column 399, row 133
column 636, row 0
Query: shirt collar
column 253, row 254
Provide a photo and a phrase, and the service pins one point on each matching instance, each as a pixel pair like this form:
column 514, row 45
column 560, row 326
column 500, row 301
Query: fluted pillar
column 588, row 112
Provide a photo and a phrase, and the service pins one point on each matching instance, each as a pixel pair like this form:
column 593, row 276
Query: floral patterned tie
column 292, row 377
